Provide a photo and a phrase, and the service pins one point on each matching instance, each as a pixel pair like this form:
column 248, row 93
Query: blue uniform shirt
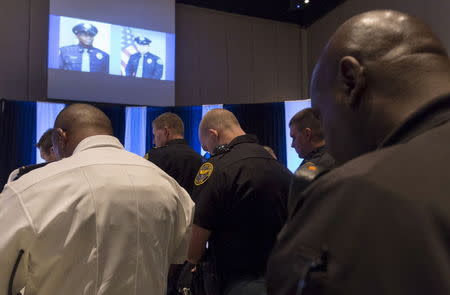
column 70, row 58
column 152, row 66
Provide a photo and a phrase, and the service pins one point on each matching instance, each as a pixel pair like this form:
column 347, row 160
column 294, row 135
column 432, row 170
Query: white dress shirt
column 103, row 221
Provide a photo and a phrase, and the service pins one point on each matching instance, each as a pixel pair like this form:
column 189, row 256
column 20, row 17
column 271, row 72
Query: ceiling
column 279, row 10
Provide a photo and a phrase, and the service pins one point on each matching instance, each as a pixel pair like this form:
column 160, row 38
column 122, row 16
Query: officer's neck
column 229, row 135
column 82, row 45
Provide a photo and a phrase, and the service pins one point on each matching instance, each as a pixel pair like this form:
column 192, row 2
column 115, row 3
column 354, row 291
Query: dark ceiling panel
column 279, row 10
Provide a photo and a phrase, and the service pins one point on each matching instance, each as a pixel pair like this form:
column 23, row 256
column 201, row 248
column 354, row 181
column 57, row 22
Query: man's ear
column 308, row 133
column 213, row 132
column 166, row 131
column 351, row 77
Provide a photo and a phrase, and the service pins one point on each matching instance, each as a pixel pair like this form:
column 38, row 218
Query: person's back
column 93, row 223
column 178, row 160
column 171, row 152
column 241, row 197
column 380, row 223
column 97, row 226
column 252, row 210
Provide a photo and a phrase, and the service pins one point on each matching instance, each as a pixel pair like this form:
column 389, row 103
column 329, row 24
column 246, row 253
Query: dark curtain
column 116, row 113
column 191, row 117
column 267, row 121
column 17, row 136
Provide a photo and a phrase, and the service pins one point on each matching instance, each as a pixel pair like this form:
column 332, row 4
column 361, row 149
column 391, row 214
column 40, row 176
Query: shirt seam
column 137, row 232
column 96, row 229
column 74, row 168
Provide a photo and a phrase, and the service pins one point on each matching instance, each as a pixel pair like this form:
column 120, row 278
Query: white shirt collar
column 98, row 141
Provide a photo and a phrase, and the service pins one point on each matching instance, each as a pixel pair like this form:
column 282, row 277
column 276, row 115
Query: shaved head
column 219, row 119
column 75, row 123
column 376, row 70
column 218, row 127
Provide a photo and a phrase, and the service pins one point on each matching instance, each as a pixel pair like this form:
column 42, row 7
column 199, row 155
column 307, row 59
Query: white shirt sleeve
column 16, row 233
column 183, row 227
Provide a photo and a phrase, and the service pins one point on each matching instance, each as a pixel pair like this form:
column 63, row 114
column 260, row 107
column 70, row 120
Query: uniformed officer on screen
column 144, row 64
column 84, row 57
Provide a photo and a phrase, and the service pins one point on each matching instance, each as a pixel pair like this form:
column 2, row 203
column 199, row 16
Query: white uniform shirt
column 103, row 221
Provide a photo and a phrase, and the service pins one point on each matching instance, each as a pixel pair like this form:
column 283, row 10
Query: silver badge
column 99, row 56
column 149, row 61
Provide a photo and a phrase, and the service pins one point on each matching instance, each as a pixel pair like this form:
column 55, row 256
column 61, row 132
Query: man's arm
column 16, row 235
column 62, row 64
column 106, row 64
column 129, row 69
column 158, row 70
column 198, row 242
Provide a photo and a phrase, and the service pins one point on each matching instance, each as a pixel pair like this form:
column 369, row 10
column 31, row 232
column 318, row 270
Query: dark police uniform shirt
column 178, row 160
column 152, row 66
column 379, row 224
column 70, row 58
column 241, row 197
column 319, row 157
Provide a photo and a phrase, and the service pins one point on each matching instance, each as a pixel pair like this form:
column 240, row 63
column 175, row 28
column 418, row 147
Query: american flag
column 128, row 48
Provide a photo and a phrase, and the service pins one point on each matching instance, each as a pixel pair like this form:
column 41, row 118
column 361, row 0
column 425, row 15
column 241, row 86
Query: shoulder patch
column 204, row 173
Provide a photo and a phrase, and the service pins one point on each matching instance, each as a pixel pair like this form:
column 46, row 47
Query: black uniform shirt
column 241, row 197
column 319, row 157
column 379, row 224
column 178, row 160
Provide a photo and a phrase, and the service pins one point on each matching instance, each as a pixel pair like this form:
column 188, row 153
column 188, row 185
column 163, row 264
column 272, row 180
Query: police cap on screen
column 85, row 28
column 142, row 40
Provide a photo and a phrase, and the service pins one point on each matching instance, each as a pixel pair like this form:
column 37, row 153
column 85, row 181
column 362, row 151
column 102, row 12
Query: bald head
column 218, row 127
column 377, row 69
column 219, row 119
column 77, row 122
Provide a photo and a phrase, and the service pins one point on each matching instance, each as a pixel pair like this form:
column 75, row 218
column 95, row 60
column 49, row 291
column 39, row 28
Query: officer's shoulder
column 156, row 150
column 155, row 58
column 309, row 172
column 68, row 48
column 96, row 50
column 204, row 173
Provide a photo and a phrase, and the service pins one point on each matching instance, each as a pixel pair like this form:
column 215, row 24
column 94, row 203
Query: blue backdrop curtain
column 17, row 136
column 191, row 117
column 267, row 121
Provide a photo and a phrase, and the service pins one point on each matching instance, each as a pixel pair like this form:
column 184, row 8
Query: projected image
column 89, row 46
column 143, row 53
column 83, row 45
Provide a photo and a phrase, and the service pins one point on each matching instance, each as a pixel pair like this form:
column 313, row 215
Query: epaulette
column 26, row 169
column 303, row 177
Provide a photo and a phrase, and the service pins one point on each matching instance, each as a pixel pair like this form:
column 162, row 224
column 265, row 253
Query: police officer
column 308, row 139
column 309, row 143
column 144, row 64
column 172, row 153
column 84, row 56
column 240, row 196
column 45, row 146
column 379, row 223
